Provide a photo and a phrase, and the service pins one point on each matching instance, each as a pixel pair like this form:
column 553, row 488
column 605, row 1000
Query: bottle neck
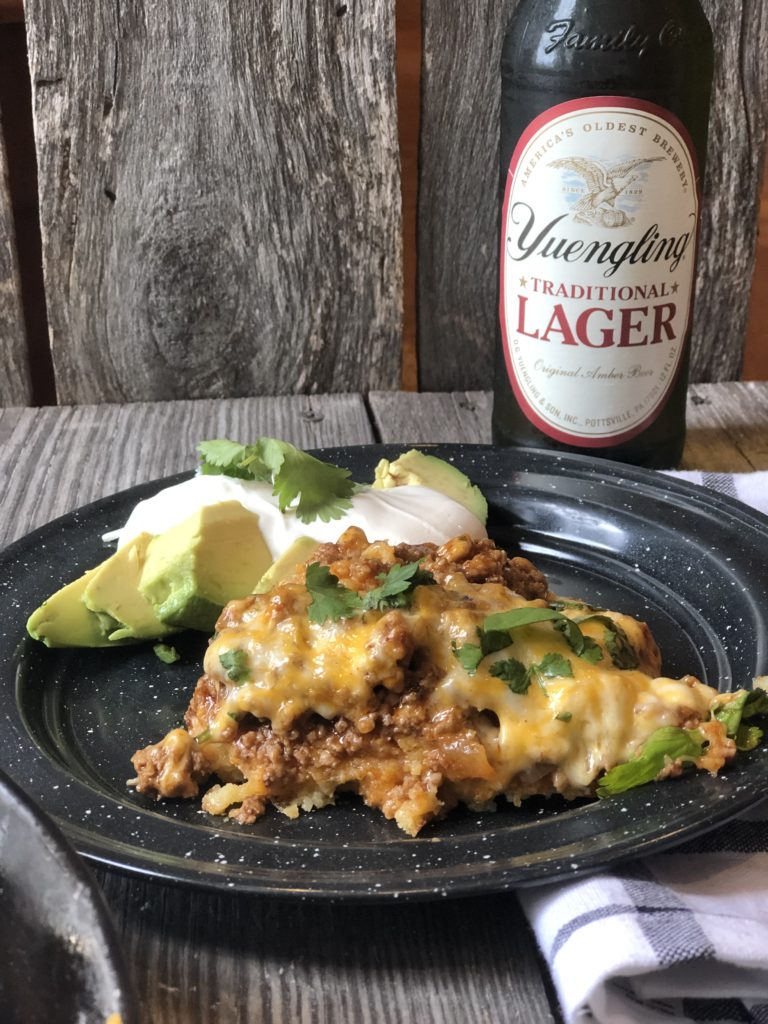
column 604, row 37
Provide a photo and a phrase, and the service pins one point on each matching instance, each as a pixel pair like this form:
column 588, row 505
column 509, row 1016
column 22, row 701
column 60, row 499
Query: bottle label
column 598, row 253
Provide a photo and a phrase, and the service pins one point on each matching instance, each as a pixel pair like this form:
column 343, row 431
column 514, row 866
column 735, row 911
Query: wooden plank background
column 15, row 108
column 15, row 384
column 735, row 161
column 48, row 448
column 756, row 350
column 219, row 196
column 458, row 189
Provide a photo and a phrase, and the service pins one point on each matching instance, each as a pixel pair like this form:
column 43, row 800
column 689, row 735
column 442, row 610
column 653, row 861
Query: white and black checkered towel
column 682, row 936
column 751, row 488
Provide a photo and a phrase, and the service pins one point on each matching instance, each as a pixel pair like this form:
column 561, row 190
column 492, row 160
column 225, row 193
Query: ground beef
column 404, row 760
column 172, row 768
column 358, row 563
column 482, row 562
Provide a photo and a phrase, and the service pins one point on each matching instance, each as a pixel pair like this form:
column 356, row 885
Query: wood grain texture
column 15, row 383
column 220, row 203
column 401, row 417
column 458, row 190
column 206, row 959
column 727, row 423
column 68, row 456
column 727, row 427
column 458, row 186
column 735, row 161
column 756, row 350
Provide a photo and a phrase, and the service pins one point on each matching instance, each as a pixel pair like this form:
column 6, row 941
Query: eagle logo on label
column 605, row 184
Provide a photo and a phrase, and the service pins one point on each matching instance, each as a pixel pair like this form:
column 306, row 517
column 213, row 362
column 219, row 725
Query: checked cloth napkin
column 681, row 936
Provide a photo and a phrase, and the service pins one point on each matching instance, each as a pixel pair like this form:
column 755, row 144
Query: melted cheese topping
column 332, row 669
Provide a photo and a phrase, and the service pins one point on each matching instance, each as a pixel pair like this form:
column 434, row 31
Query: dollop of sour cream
column 399, row 515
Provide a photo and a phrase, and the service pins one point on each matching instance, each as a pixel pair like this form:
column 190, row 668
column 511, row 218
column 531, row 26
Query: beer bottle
column 604, row 118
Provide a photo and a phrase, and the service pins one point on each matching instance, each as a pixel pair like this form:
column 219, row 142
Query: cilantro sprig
column 513, row 673
column 496, row 634
column 469, row 656
column 519, row 678
column 397, row 587
column 331, row 600
column 300, row 482
column 623, row 654
column 583, row 646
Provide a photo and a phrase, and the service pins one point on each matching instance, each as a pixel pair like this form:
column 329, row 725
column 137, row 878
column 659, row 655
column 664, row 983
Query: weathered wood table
column 213, row 959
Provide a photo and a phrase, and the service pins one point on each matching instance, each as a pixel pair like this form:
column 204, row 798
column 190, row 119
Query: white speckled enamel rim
column 692, row 562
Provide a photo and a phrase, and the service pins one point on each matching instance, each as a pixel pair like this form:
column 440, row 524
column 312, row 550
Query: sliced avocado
column 415, row 467
column 64, row 621
column 113, row 589
column 298, row 552
column 192, row 570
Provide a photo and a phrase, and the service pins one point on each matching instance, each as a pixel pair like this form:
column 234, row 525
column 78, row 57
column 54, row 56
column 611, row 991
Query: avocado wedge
column 414, row 467
column 64, row 620
column 298, row 552
column 156, row 585
column 192, row 570
column 113, row 589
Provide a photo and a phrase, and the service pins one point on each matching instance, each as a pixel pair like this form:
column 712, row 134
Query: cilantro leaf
column 564, row 716
column 468, row 656
column 309, row 487
column 331, row 600
column 616, row 642
column 517, row 617
column 229, row 458
column 661, row 747
column 554, row 665
column 323, row 491
column 166, row 653
column 623, row 655
column 494, row 640
column 582, row 645
column 397, row 587
column 591, row 651
column 235, row 664
column 513, row 673
column 551, row 666
column 221, row 453
column 585, row 647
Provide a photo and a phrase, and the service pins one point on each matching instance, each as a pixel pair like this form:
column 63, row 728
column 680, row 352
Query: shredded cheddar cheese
column 380, row 702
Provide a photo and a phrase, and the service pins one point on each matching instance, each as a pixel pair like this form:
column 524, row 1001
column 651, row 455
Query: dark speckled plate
column 61, row 960
column 693, row 564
